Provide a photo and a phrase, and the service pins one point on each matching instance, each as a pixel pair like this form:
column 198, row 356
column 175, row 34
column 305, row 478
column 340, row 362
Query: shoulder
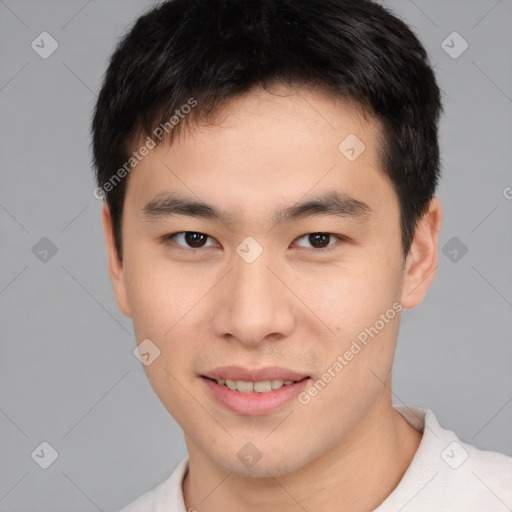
column 483, row 478
column 447, row 474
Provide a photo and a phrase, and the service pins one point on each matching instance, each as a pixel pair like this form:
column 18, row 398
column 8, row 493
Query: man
column 269, row 170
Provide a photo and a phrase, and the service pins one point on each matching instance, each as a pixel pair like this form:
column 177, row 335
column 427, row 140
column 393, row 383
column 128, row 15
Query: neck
column 356, row 475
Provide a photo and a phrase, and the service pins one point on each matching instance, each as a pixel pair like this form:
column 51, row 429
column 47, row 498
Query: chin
column 271, row 463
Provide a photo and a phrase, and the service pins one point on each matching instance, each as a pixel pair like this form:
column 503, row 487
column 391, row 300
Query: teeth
column 263, row 387
column 244, row 387
column 249, row 387
column 231, row 384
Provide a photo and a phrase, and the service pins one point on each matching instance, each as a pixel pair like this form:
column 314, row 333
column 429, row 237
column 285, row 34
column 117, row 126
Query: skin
column 293, row 307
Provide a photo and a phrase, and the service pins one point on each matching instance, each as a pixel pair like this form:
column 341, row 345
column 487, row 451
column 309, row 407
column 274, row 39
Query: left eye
column 319, row 240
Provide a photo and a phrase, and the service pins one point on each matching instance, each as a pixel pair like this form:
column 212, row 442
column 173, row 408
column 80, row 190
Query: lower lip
column 254, row 404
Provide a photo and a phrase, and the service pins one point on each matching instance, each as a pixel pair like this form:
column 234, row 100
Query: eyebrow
column 332, row 203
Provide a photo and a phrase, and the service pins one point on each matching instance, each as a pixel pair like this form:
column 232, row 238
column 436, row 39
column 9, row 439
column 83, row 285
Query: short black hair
column 193, row 56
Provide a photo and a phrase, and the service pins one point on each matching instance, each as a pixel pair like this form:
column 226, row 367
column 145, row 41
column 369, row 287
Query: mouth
column 253, row 392
column 263, row 386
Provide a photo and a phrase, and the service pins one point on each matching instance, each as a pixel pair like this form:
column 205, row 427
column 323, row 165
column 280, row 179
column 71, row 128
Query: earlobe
column 115, row 265
column 422, row 260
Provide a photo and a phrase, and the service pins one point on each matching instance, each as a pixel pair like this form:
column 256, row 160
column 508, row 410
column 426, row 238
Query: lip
column 255, row 375
column 254, row 404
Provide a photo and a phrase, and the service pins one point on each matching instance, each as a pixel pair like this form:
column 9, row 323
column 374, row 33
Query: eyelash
column 329, row 248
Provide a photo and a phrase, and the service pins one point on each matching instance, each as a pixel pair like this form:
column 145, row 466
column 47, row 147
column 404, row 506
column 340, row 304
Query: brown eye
column 319, row 240
column 192, row 239
column 195, row 240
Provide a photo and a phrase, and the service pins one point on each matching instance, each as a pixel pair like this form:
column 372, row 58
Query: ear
column 115, row 265
column 421, row 262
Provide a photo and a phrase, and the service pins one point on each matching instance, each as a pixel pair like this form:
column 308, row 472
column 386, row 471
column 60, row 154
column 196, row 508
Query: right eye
column 192, row 239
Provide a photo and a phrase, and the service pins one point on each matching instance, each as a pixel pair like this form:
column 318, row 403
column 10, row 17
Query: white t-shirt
column 444, row 475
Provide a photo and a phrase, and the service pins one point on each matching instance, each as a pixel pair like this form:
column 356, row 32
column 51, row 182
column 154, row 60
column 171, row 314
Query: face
column 292, row 261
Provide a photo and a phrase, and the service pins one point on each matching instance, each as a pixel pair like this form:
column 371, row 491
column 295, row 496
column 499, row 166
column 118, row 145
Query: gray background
column 67, row 369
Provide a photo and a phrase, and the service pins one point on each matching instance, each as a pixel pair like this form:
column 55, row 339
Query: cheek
column 360, row 304
column 160, row 294
column 161, row 299
column 351, row 296
column 164, row 301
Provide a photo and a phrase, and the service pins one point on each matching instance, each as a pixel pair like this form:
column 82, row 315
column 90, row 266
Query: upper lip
column 254, row 375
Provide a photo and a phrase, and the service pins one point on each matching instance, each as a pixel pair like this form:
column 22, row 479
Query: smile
column 264, row 386
column 253, row 397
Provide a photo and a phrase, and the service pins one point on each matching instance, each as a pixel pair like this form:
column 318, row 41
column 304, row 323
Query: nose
column 254, row 305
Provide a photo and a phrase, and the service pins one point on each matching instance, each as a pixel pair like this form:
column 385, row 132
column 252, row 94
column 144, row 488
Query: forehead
column 268, row 148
